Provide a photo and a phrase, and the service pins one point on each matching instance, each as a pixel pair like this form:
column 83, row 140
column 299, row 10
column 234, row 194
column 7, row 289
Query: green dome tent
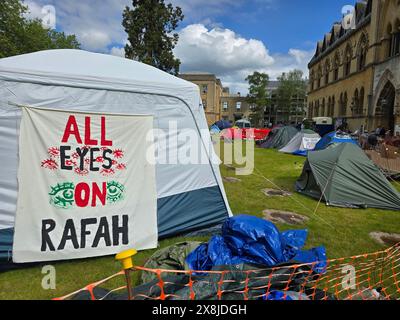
column 345, row 177
column 281, row 138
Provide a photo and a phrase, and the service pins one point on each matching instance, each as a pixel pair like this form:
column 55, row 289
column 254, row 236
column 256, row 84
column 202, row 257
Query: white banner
column 310, row 143
column 86, row 187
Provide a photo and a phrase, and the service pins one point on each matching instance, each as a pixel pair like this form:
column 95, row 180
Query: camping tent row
column 344, row 176
column 189, row 196
column 279, row 137
column 301, row 143
column 307, row 140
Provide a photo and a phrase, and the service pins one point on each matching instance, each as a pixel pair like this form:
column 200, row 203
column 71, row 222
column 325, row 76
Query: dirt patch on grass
column 231, row 179
column 285, row 217
column 276, row 193
column 386, row 239
column 230, row 167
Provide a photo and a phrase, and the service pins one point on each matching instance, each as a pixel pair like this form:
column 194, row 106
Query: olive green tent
column 344, row 176
column 281, row 138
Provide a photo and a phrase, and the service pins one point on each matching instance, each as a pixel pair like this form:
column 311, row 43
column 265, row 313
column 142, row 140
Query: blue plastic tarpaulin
column 333, row 138
column 251, row 240
column 222, row 124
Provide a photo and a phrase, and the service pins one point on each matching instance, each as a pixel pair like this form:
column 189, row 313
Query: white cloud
column 35, row 10
column 117, row 51
column 96, row 23
column 204, row 46
column 221, row 49
column 83, row 17
column 232, row 57
column 95, row 40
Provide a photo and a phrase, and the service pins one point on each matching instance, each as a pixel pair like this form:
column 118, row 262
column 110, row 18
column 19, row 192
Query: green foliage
column 292, row 92
column 150, row 25
column 19, row 35
column 258, row 96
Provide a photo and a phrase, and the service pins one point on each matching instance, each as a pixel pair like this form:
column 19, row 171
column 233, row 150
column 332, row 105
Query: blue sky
column 286, row 24
column 231, row 38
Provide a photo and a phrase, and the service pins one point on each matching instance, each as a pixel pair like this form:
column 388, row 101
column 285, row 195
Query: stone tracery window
column 362, row 52
column 332, row 111
column 347, row 61
column 336, row 64
column 312, row 80
column 343, row 104
column 361, row 102
column 327, row 71
column 355, row 103
column 319, row 76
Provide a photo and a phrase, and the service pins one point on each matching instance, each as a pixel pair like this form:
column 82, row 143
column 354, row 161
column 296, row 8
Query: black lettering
column 103, row 232
column 106, row 158
column 69, row 234
column 84, row 231
column 82, row 154
column 117, row 230
column 47, row 227
column 64, row 157
column 93, row 159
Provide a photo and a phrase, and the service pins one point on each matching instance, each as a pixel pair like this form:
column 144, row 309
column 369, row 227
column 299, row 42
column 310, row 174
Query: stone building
column 220, row 104
column 211, row 91
column 276, row 113
column 355, row 72
column 234, row 107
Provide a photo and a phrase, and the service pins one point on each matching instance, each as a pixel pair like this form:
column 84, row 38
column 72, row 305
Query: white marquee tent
column 190, row 196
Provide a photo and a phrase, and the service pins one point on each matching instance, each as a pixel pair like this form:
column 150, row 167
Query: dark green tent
column 281, row 138
column 347, row 178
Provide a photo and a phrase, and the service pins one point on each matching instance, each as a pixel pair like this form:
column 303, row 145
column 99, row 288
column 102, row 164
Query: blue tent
column 222, row 124
column 334, row 138
column 214, row 129
column 6, row 240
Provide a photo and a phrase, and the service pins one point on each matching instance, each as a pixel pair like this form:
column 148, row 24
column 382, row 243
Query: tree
column 150, row 25
column 258, row 96
column 292, row 93
column 19, row 35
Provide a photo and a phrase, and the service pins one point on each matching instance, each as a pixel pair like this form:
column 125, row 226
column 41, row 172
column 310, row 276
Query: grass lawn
column 344, row 232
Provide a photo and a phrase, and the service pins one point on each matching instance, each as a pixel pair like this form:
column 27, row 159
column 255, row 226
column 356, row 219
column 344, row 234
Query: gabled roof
column 363, row 12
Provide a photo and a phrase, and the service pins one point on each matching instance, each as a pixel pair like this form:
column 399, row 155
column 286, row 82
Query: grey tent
column 343, row 176
column 280, row 138
column 301, row 143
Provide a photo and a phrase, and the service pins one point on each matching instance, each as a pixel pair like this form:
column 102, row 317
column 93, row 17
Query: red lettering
column 82, row 195
column 104, row 141
column 71, row 129
column 100, row 194
column 88, row 140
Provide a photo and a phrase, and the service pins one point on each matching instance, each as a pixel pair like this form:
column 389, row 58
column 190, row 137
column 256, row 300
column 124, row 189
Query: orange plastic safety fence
column 364, row 277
